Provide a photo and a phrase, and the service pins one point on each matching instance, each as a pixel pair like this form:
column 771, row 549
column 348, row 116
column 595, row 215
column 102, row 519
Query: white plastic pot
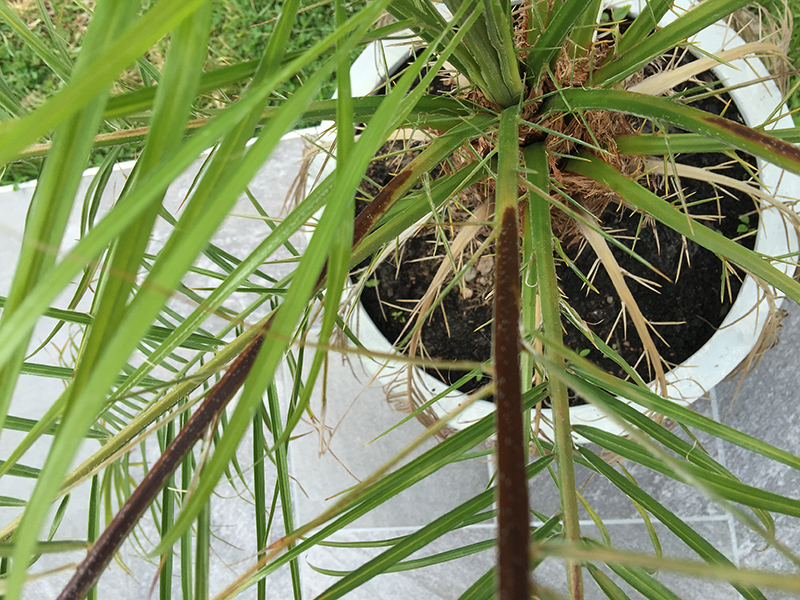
column 740, row 330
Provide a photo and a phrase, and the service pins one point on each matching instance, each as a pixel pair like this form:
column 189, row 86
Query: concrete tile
column 243, row 229
column 764, row 404
column 232, row 520
column 635, row 538
column 755, row 553
column 764, row 407
column 762, row 473
column 233, row 548
column 446, row 580
column 707, row 406
column 610, row 503
column 349, row 449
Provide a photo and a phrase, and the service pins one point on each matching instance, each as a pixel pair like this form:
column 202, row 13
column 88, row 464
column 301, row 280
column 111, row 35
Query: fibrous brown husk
column 562, row 134
column 597, row 130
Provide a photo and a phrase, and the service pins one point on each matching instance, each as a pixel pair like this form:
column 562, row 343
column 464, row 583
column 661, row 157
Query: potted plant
column 736, row 334
column 518, row 94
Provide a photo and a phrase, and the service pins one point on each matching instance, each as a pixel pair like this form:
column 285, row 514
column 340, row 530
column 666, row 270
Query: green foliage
column 201, row 74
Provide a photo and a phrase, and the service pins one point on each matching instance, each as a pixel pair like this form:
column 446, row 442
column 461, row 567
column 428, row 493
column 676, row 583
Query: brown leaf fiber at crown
column 597, row 128
column 594, row 128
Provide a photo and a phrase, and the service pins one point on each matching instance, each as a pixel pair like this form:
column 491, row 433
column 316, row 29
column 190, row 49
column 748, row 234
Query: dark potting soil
column 686, row 310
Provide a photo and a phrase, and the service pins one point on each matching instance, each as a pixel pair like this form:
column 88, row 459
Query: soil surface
column 687, row 309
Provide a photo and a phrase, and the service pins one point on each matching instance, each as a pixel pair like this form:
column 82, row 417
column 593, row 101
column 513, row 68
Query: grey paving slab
column 610, row 503
column 243, row 229
column 765, row 404
column 636, row 538
column 707, row 406
column 681, row 499
column 347, row 445
column 444, row 581
column 232, row 552
column 755, row 552
column 232, row 519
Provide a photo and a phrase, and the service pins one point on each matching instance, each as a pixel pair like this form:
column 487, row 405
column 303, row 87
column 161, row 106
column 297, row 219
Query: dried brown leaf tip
column 780, row 147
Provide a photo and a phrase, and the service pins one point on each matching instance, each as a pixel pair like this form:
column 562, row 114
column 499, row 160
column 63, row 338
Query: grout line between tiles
column 408, row 529
column 694, row 519
column 712, row 396
column 400, row 529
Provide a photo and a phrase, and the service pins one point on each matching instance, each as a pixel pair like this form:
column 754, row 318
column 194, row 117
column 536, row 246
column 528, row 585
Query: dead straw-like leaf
column 611, row 266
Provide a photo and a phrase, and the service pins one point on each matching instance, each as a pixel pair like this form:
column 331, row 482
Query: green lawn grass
column 778, row 9
column 240, row 31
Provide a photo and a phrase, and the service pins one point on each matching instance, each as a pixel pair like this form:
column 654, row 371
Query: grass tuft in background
column 240, row 32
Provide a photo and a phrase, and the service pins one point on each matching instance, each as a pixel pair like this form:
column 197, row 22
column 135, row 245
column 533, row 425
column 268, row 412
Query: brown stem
column 513, row 531
column 103, row 550
column 380, row 205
